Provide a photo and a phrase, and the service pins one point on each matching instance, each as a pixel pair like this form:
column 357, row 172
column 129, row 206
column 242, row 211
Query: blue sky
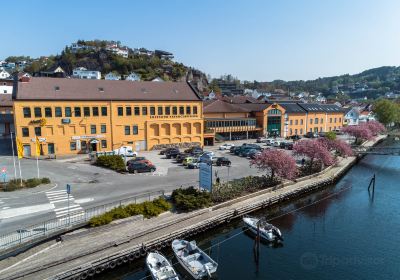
column 250, row 39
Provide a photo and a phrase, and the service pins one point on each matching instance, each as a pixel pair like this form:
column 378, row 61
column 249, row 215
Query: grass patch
column 148, row 209
column 15, row 184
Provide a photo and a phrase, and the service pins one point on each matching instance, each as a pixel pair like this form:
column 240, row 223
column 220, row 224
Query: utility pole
column 68, row 192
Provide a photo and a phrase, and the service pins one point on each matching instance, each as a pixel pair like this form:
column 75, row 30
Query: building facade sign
column 83, row 137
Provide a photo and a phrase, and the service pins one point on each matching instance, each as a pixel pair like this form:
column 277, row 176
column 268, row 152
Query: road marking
column 4, row 208
column 62, row 209
column 15, row 212
column 84, row 200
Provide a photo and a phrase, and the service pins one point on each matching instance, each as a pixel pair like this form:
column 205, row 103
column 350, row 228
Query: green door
column 274, row 126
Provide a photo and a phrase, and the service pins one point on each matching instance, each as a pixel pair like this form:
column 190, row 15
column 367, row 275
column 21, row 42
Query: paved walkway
column 98, row 243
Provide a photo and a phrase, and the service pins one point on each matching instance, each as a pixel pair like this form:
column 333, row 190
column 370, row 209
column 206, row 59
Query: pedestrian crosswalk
column 65, row 207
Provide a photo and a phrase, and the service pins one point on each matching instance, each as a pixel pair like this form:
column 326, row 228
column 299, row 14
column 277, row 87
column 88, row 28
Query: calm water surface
column 350, row 235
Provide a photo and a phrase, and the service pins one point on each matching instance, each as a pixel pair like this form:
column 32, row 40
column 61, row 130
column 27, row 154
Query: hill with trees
column 371, row 83
column 94, row 55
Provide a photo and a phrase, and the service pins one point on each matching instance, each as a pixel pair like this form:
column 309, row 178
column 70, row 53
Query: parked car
column 187, row 160
column 165, row 151
column 226, row 146
column 277, row 143
column 126, row 151
column 172, row 153
column 136, row 159
column 286, row 145
column 181, row 156
column 223, row 161
column 208, row 153
column 295, row 137
column 253, row 154
column 321, row 134
column 138, row 167
column 193, row 149
column 232, row 149
column 245, row 149
column 270, row 141
column 311, row 135
column 338, row 131
column 194, row 164
column 261, row 139
column 207, row 158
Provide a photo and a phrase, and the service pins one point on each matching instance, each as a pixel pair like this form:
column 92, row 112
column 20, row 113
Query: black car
column 164, row 151
column 232, row 149
column 134, row 160
column 172, row 153
column 295, row 137
column 138, row 167
column 223, row 161
column 311, row 135
column 195, row 149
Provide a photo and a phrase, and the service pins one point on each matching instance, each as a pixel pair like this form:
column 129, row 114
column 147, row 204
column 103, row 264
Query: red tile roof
column 80, row 89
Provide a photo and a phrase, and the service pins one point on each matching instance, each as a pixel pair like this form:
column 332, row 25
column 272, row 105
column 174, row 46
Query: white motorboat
column 193, row 259
column 267, row 231
column 160, row 268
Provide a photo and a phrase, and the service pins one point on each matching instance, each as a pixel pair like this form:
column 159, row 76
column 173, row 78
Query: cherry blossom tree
column 360, row 132
column 375, row 127
column 338, row 146
column 277, row 163
column 315, row 151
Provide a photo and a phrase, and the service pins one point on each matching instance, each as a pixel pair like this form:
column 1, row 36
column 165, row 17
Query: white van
column 126, row 151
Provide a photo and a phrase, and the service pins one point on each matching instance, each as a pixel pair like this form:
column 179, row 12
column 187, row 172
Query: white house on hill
column 112, row 76
column 83, row 73
column 133, row 77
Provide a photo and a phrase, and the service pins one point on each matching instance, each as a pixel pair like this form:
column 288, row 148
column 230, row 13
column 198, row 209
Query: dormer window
column 56, row 88
column 101, row 89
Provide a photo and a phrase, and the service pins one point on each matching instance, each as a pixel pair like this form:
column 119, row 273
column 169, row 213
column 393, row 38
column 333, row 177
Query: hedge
column 191, row 199
column 114, row 162
column 15, row 184
column 148, row 209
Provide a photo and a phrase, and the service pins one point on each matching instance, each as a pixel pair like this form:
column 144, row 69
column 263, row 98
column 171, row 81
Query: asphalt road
column 92, row 186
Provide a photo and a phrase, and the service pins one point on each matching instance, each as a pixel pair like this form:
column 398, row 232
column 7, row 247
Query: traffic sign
column 68, row 189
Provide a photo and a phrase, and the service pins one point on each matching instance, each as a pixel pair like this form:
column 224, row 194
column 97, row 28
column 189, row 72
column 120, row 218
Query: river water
column 342, row 232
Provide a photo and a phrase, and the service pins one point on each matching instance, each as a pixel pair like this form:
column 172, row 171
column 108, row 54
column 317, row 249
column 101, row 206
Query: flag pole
column 37, row 145
column 13, row 155
column 20, row 173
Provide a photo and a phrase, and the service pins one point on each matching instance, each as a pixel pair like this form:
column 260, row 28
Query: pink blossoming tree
column 340, row 147
column 360, row 132
column 277, row 163
column 375, row 127
column 315, row 151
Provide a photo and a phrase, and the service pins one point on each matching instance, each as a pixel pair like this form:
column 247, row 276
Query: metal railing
column 68, row 222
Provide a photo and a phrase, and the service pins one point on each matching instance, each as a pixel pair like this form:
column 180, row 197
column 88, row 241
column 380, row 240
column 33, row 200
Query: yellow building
column 231, row 121
column 72, row 116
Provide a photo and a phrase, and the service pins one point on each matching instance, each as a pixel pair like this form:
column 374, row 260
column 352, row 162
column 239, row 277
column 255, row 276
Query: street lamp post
column 68, row 192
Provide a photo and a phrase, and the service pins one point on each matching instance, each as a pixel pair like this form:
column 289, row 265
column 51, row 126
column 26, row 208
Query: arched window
column 274, row 112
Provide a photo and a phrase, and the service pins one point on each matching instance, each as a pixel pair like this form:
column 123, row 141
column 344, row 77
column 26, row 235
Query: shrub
column 45, row 180
column 191, row 199
column 32, row 182
column 148, row 209
column 100, row 220
column 114, row 162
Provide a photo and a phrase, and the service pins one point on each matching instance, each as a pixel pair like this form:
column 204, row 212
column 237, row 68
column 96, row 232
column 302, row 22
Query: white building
column 112, row 76
column 158, row 79
column 4, row 74
column 75, row 47
column 83, row 73
column 351, row 116
column 121, row 51
column 133, row 77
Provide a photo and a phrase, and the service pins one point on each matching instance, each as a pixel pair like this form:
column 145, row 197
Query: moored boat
column 195, row 261
column 268, row 231
column 160, row 268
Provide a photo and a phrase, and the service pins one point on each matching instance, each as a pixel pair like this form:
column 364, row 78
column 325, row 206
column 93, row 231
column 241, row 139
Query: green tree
column 386, row 111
